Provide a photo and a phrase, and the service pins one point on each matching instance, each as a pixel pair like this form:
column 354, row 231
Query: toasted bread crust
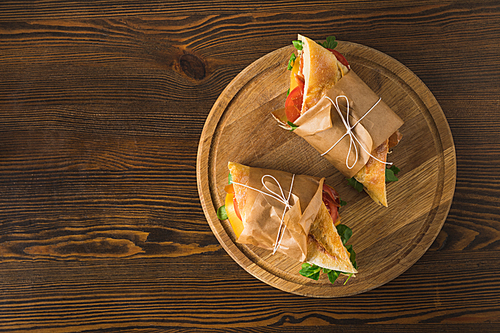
column 372, row 175
column 320, row 70
column 324, row 245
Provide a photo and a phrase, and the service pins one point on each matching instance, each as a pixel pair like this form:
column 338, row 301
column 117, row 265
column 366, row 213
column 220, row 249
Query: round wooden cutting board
column 387, row 241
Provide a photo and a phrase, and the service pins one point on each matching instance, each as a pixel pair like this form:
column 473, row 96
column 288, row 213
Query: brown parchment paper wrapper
column 262, row 214
column 322, row 127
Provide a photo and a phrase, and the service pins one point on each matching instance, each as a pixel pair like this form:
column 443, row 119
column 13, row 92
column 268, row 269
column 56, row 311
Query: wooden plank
column 100, row 118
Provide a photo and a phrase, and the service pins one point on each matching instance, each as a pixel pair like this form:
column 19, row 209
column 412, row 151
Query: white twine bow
column 349, row 131
column 281, row 198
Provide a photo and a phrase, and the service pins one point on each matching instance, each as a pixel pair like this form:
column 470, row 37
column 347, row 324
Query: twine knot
column 349, row 131
column 285, row 200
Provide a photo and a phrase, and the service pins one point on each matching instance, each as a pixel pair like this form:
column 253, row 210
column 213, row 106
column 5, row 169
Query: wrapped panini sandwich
column 338, row 114
column 296, row 215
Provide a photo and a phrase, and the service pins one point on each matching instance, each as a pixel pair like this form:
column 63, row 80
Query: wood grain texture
column 102, row 105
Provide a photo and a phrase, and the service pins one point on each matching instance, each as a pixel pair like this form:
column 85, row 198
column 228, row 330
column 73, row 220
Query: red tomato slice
column 236, row 209
column 331, row 201
column 340, row 58
column 332, row 194
column 293, row 103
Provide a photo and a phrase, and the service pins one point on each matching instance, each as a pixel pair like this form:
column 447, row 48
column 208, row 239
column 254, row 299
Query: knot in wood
column 192, row 66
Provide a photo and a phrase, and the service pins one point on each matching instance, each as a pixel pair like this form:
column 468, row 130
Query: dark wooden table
column 102, row 105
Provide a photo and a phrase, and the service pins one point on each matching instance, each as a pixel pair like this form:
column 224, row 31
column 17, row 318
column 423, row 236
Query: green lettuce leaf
column 221, row 213
column 330, row 43
column 354, row 183
column 390, row 174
